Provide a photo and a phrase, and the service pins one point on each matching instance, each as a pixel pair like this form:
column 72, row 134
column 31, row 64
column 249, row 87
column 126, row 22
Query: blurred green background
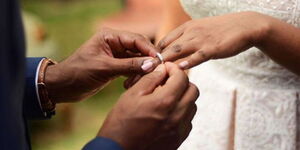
column 63, row 25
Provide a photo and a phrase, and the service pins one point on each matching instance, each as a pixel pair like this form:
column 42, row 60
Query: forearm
column 173, row 17
column 282, row 43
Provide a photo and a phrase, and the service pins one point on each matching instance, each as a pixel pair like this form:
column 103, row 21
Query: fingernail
column 152, row 54
column 183, row 64
column 147, row 66
column 160, row 68
column 146, row 61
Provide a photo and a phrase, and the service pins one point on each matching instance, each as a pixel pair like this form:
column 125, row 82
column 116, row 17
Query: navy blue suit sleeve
column 31, row 104
column 101, row 143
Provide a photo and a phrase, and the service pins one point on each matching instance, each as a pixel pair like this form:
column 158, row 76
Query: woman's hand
column 198, row 41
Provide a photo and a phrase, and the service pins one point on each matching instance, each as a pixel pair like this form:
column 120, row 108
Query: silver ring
column 160, row 57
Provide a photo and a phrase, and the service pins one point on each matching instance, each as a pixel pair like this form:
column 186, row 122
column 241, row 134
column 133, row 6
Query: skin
column 225, row 36
column 159, row 107
column 162, row 102
column 173, row 16
column 198, row 41
column 107, row 55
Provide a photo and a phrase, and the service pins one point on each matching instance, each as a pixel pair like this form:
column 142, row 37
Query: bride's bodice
column 252, row 67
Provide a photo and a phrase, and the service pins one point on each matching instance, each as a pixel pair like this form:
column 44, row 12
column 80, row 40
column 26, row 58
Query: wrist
column 52, row 82
column 115, row 138
column 263, row 25
column 48, row 105
column 116, row 135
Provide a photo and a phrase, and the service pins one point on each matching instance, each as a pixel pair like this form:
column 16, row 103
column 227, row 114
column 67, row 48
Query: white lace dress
column 264, row 112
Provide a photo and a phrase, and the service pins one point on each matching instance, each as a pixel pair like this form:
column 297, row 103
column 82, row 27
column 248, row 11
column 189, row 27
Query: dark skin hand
column 183, row 116
column 162, row 102
column 158, row 108
column 107, row 55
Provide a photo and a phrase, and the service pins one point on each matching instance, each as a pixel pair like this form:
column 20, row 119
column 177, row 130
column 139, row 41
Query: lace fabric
column 263, row 114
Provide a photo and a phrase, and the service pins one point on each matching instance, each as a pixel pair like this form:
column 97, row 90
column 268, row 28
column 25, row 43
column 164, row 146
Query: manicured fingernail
column 147, row 66
column 160, row 68
column 183, row 64
column 146, row 61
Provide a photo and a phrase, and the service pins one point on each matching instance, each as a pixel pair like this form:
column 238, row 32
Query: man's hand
column 159, row 106
column 107, row 55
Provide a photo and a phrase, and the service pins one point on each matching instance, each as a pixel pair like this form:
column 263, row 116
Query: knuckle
column 184, row 78
column 202, row 54
column 159, row 117
column 161, row 44
column 177, row 48
column 192, row 110
column 157, row 114
column 189, row 127
column 181, row 75
column 195, row 108
column 195, row 39
column 175, row 121
column 132, row 65
column 149, row 77
column 195, row 89
column 163, row 103
column 168, row 101
column 141, row 92
column 139, row 37
column 109, row 37
column 217, row 47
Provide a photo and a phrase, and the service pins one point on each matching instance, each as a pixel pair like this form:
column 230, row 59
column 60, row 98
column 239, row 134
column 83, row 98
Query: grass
column 70, row 24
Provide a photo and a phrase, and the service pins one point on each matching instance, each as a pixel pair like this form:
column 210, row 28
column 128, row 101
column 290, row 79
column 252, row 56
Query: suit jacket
column 18, row 95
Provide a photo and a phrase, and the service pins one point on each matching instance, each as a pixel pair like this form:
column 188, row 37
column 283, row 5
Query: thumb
column 128, row 66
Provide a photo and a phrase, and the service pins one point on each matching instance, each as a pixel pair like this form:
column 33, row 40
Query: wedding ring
column 160, row 57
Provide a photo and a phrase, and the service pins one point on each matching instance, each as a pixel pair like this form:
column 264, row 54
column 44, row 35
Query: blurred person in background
column 159, row 107
column 37, row 41
column 249, row 99
column 138, row 16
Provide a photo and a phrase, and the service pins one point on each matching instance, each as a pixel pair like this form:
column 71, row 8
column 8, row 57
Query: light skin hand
column 198, row 41
column 107, row 55
column 154, row 107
